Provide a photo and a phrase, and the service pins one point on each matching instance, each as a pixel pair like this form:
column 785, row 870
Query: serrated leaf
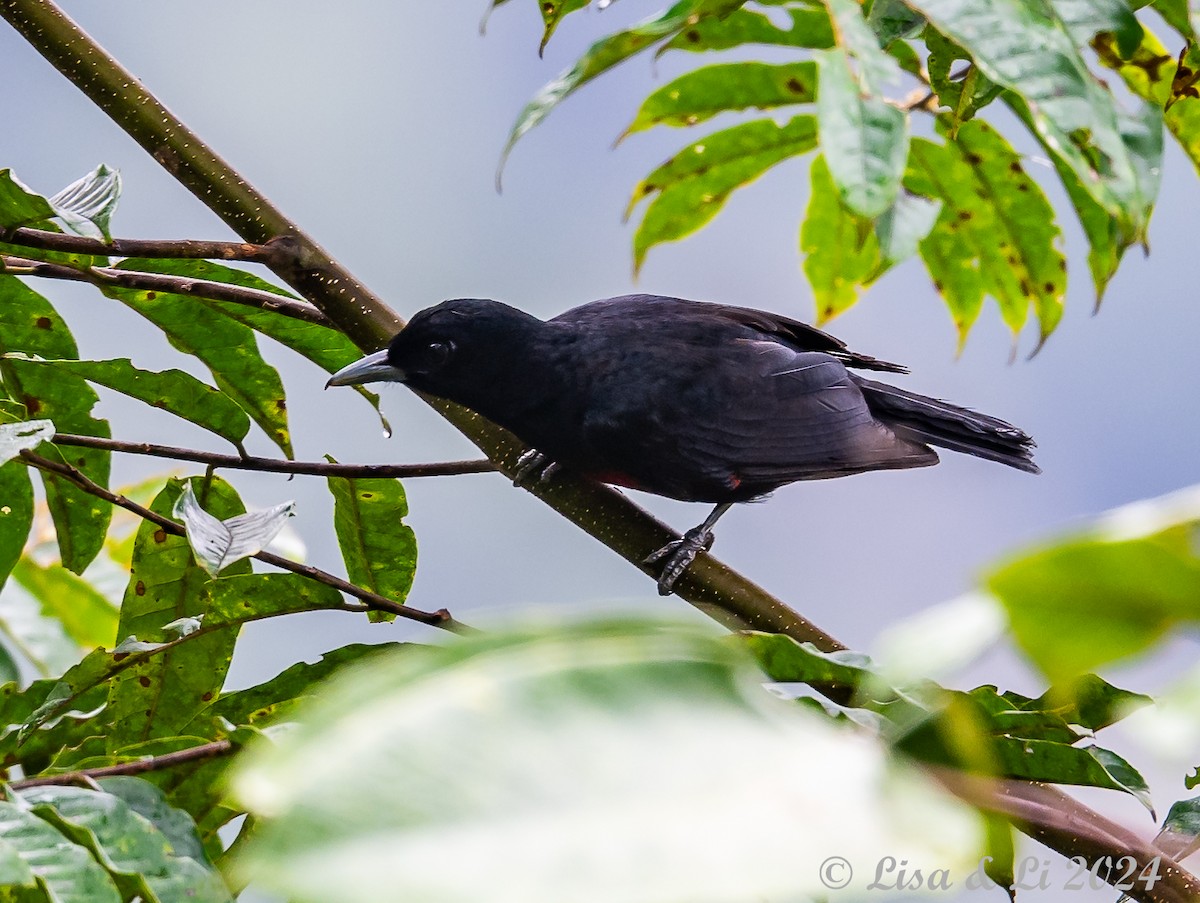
column 174, row 391
column 228, row 349
column 86, row 615
column 30, row 325
column 137, row 855
column 809, row 28
column 16, row 437
column 996, row 221
column 703, row 93
column 85, row 207
column 608, row 52
column 693, row 185
column 841, row 252
column 327, row 348
column 68, row 872
column 864, row 139
column 1023, row 48
column 219, row 543
column 378, row 548
column 19, row 206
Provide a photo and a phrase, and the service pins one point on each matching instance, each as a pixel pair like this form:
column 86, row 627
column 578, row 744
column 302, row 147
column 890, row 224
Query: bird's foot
column 534, row 465
column 678, row 555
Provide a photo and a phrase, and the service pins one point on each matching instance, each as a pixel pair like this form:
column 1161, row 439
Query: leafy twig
column 138, row 766
column 441, row 618
column 157, row 282
column 279, row 465
column 186, row 249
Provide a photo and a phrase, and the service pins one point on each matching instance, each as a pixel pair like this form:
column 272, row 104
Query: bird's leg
column 680, row 553
column 533, row 463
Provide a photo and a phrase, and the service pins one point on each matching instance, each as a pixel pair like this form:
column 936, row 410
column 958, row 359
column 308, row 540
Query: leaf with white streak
column 16, row 437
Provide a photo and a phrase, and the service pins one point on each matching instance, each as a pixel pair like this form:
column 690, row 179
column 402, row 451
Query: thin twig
column 279, row 465
column 441, row 618
column 138, row 766
column 158, row 282
column 186, row 249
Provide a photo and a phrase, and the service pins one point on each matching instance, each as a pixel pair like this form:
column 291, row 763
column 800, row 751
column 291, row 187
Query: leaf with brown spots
column 810, row 27
column 841, row 251
column 80, row 519
column 171, row 586
column 704, row 93
column 379, row 549
column 996, row 233
column 692, row 187
column 552, row 13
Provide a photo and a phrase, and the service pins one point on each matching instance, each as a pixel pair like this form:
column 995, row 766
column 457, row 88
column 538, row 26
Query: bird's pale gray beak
column 373, row 368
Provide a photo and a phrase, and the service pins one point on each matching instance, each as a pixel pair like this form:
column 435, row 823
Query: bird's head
column 447, row 350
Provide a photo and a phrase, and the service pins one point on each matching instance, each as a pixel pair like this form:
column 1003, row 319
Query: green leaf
column 87, row 616
column 996, row 221
column 274, row 700
column 9, row 671
column 1024, row 48
column 1089, row 701
column 16, row 514
column 379, row 549
column 86, row 206
column 327, row 348
column 68, row 872
column 892, row 20
column 1111, row 593
column 694, row 184
column 1175, row 14
column 965, row 95
column 703, row 93
column 137, row 855
column 608, row 52
column 840, row 249
column 904, row 225
column 148, row 801
column 809, row 28
column 662, row 696
column 864, row 139
column 786, row 660
column 170, row 390
column 552, row 13
column 34, row 746
column 18, row 205
column 29, row 325
column 161, row 693
column 1084, row 19
column 856, row 39
column 228, row 349
column 1180, row 834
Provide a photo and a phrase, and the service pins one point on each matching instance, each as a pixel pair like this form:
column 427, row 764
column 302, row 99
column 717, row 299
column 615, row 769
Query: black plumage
column 695, row 401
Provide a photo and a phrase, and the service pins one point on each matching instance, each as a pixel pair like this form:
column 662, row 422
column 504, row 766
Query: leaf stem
column 441, row 618
column 278, row 465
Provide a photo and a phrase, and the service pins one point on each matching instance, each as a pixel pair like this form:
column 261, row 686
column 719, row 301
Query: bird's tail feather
column 949, row 426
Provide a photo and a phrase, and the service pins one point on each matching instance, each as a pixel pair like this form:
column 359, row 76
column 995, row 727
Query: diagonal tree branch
column 440, row 618
column 137, row 766
column 157, row 282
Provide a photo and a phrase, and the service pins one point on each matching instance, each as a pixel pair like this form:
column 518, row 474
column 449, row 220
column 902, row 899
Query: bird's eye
column 439, row 352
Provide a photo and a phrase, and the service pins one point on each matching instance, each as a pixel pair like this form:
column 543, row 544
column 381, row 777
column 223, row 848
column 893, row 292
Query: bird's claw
column 533, row 464
column 679, row 554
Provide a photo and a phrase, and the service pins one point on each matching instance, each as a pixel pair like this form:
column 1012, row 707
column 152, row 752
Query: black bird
column 691, row 400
